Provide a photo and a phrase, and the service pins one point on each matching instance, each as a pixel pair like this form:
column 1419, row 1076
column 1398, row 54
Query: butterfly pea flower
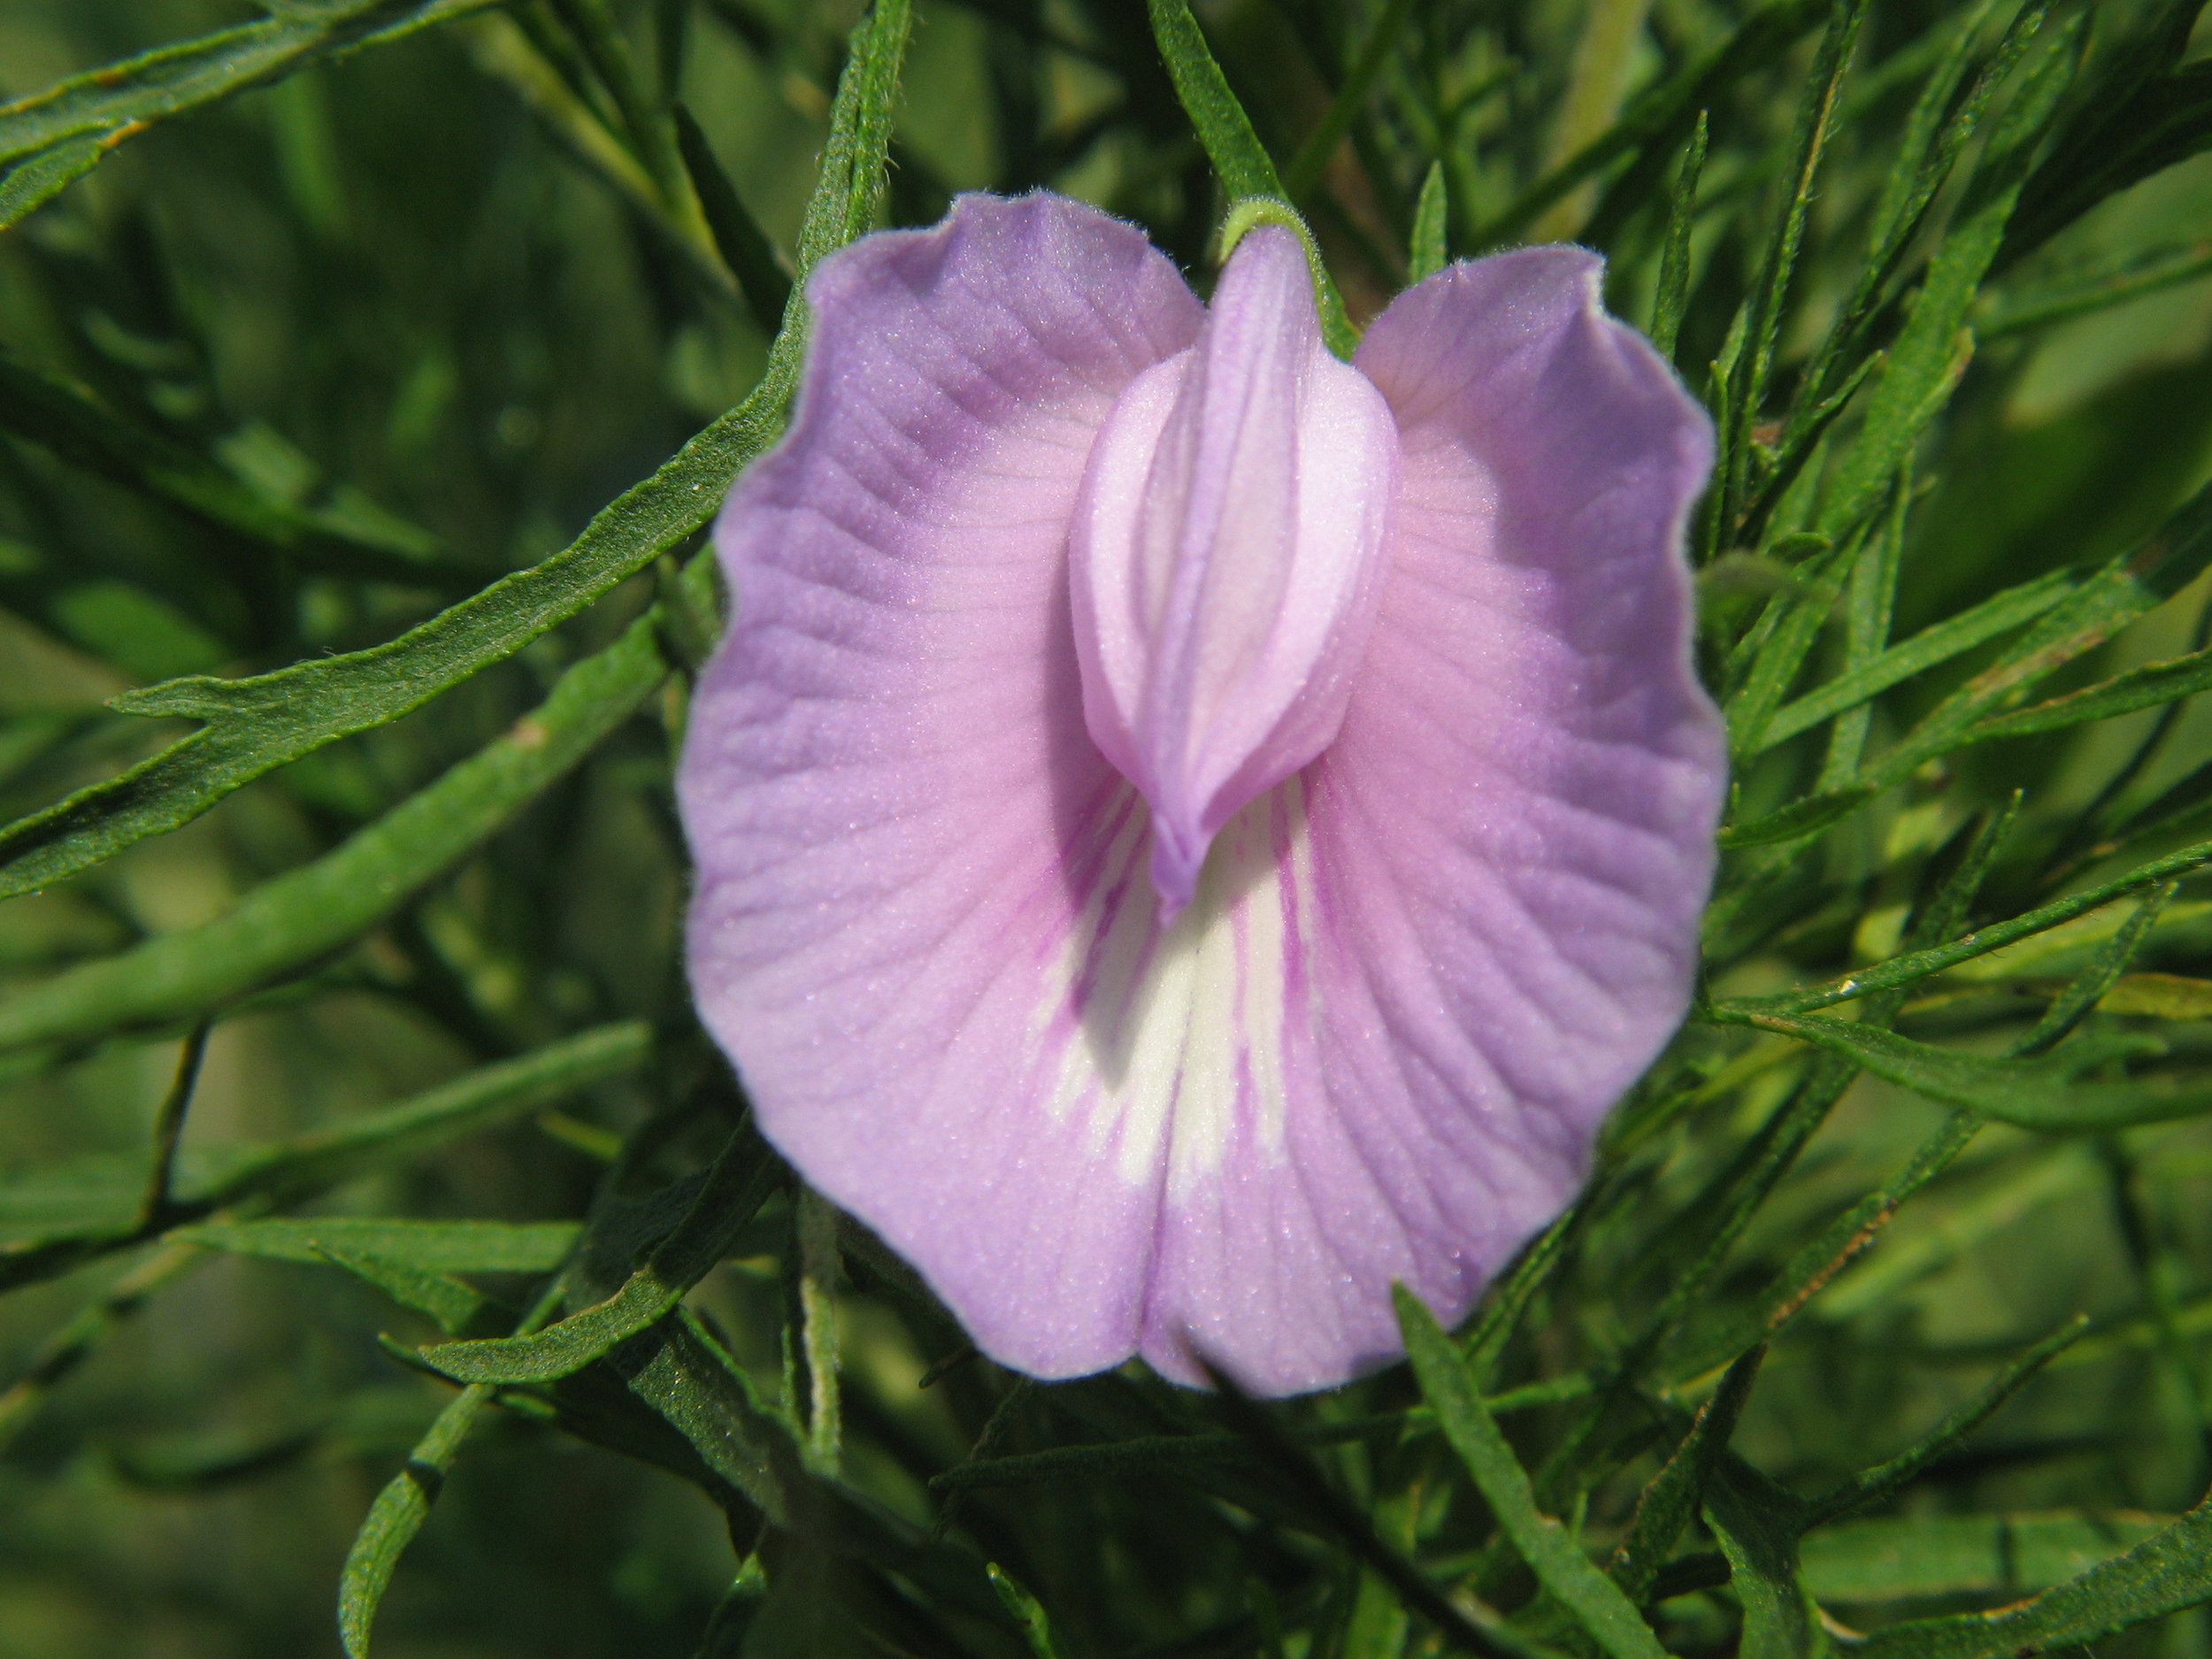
column 1190, row 831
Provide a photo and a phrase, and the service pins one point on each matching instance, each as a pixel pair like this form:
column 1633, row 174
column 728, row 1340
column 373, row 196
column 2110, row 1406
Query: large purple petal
column 1409, row 980
column 1506, row 851
column 886, row 779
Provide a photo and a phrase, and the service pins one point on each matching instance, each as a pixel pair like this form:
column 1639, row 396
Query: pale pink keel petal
column 886, row 782
column 1504, row 853
column 1227, row 558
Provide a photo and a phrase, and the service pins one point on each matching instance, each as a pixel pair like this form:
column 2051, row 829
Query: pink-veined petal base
column 1412, row 976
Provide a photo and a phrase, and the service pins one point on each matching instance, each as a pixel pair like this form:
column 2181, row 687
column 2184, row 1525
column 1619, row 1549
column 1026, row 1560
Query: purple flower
column 1190, row 831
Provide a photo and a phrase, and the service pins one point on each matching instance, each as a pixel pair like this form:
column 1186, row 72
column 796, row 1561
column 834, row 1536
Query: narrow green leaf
column 458, row 1308
column 429, row 1247
column 61, row 134
column 404, row 1505
column 2160, row 995
column 1885, row 1479
column 66, row 418
column 1234, row 148
column 2046, row 1093
column 742, row 1178
column 397, row 1516
column 1778, row 650
column 1869, row 606
column 97, row 1203
column 1225, row 130
column 2168, row 1571
column 743, row 245
column 1027, row 1614
column 2098, row 975
column 1758, row 1525
column 1932, row 646
column 2095, row 288
column 1672, row 297
column 38, row 179
column 684, row 1378
column 2144, row 111
column 1905, row 969
column 1761, row 38
column 607, row 49
column 1963, row 1554
column 305, row 1164
column 1936, row 134
column 1807, row 817
column 1670, row 1502
column 257, row 725
column 814, row 1224
column 1428, row 253
column 2127, row 589
column 1777, row 268
column 286, row 923
column 1313, row 155
column 2144, row 687
column 1930, row 353
column 1551, row 1552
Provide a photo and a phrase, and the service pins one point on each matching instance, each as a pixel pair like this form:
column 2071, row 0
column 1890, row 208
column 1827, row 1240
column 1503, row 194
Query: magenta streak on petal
column 1227, row 556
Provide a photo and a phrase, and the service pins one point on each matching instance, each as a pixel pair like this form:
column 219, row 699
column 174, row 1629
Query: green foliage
column 367, row 1175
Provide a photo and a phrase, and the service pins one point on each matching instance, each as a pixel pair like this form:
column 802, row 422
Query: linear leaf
column 1816, row 121
column 1313, row 155
column 476, row 1100
column 404, row 1505
column 2168, row 1571
column 70, row 126
column 91, row 1206
column 1232, row 146
column 1928, row 649
column 38, row 179
column 1885, row 1479
column 1428, row 253
column 676, row 1370
column 429, row 1247
column 254, row 725
column 1224, row 128
column 1905, row 969
column 2094, row 288
column 2161, row 996
column 1936, row 134
column 1800, row 819
column 397, row 1516
column 1757, row 1525
column 458, row 1308
column 1670, row 1502
column 68, row 419
column 1672, row 297
column 2144, row 687
column 306, row 914
column 1959, row 1554
column 1929, row 352
column 2045, row 1094
column 1550, row 1551
column 734, row 1189
column 743, row 245
column 1026, row 1612
column 1665, row 108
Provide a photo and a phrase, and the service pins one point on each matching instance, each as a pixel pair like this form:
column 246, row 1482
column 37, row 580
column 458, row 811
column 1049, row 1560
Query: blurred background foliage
column 290, row 372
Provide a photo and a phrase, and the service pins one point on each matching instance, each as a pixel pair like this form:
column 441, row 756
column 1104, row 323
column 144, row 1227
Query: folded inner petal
column 1226, row 557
